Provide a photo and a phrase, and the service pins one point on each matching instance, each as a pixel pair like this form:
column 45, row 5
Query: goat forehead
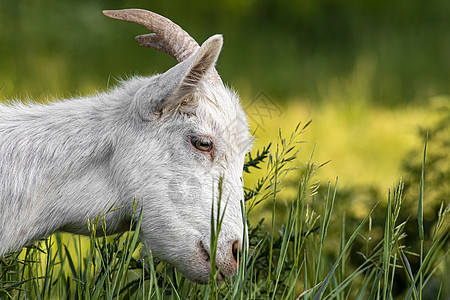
column 221, row 113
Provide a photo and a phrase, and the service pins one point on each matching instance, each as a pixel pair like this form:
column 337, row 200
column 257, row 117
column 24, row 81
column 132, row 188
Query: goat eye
column 201, row 143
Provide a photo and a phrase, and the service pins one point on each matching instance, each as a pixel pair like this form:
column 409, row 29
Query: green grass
column 288, row 256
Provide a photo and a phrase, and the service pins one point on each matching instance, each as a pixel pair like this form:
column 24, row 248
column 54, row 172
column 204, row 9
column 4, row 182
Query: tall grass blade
column 420, row 216
column 387, row 246
column 346, row 247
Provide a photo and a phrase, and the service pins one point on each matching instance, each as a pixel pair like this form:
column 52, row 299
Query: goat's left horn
column 168, row 37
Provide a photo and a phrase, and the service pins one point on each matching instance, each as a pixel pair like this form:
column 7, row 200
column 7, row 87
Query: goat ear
column 202, row 68
column 176, row 87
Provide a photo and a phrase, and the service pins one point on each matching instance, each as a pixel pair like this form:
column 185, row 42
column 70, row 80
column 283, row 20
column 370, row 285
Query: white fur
column 73, row 159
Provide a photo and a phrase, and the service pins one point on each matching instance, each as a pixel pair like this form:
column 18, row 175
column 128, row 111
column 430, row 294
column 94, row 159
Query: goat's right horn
column 168, row 37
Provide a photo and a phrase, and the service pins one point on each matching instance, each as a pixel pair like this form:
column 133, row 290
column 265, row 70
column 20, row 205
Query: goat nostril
column 205, row 253
column 236, row 249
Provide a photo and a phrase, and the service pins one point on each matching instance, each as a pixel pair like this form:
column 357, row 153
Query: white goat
column 164, row 140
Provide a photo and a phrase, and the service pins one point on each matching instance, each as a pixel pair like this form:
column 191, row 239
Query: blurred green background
column 290, row 49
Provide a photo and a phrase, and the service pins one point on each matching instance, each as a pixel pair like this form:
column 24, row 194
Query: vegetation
column 292, row 260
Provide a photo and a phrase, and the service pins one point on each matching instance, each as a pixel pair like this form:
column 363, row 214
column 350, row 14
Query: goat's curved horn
column 168, row 37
